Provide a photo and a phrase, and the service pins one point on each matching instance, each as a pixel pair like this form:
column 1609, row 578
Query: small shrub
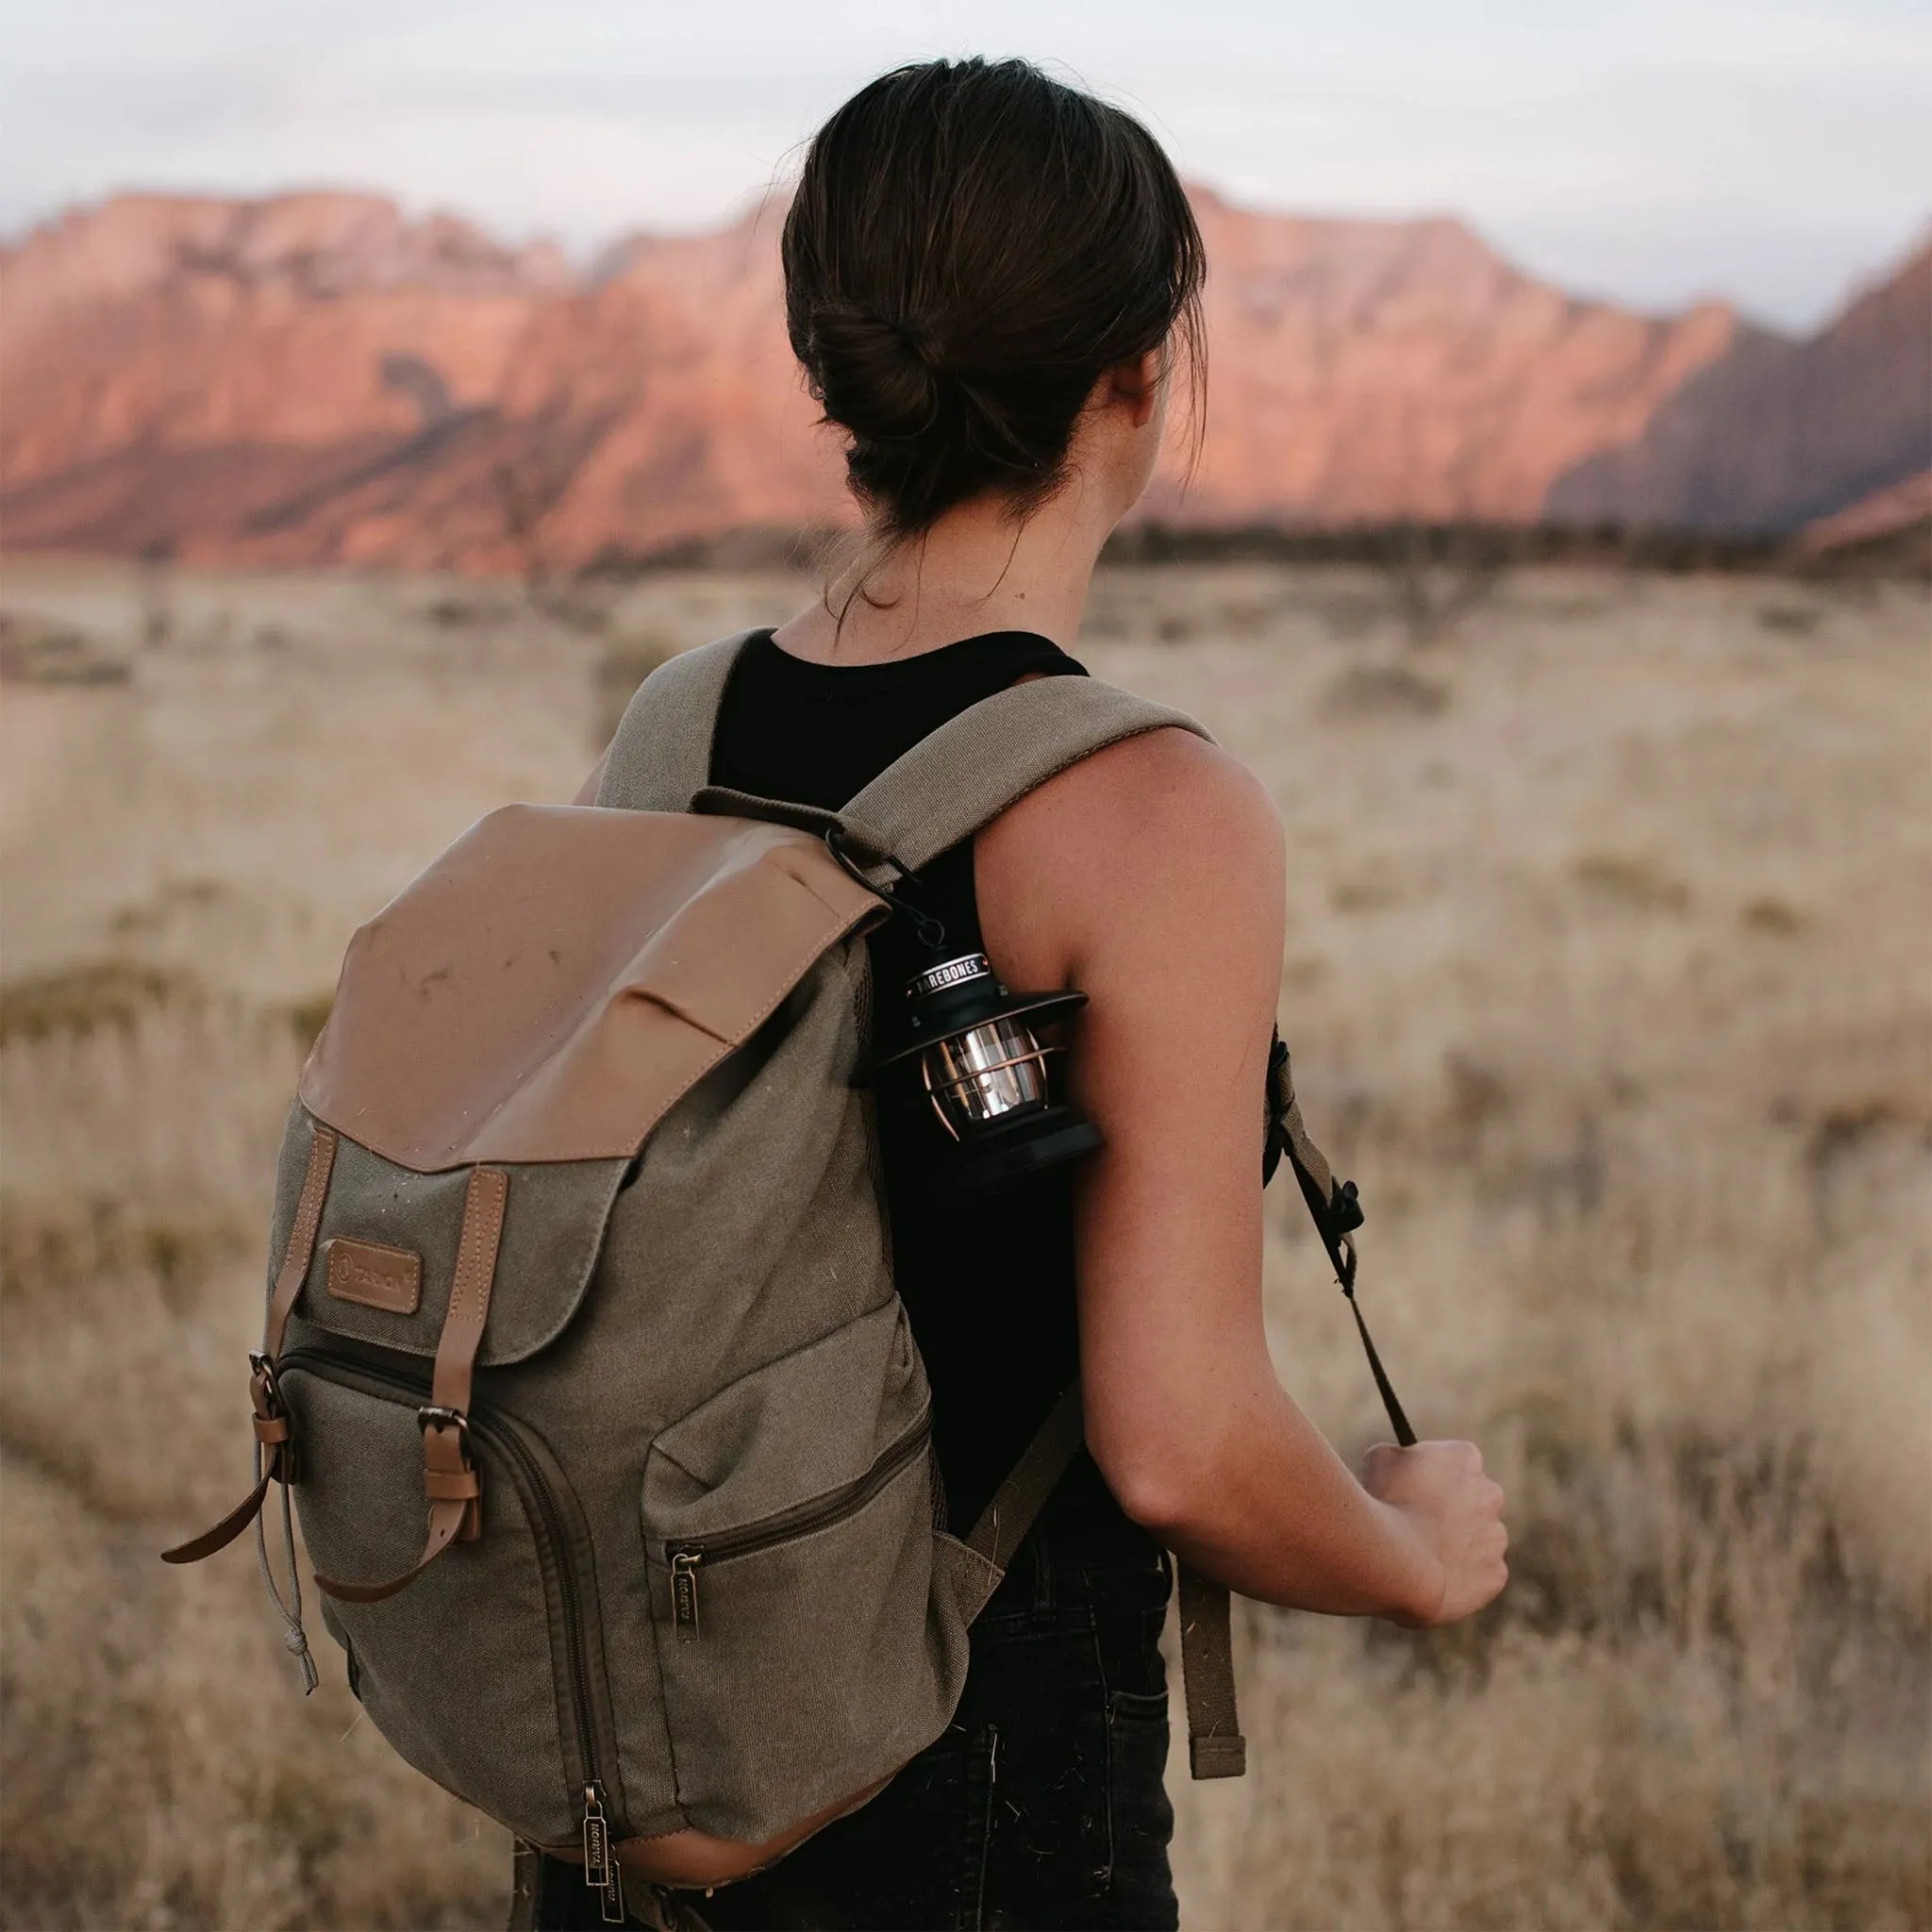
column 1777, row 917
column 40, row 650
column 1631, row 881
column 1385, row 691
column 80, row 999
column 1366, row 890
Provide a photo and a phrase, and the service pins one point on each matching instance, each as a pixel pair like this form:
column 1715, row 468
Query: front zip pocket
column 788, row 1526
column 686, row 1560
column 532, row 1547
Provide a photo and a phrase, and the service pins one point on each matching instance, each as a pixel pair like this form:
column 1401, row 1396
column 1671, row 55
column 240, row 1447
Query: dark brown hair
column 971, row 245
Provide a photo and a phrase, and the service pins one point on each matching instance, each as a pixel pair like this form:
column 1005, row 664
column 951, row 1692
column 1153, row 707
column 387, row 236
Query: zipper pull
column 601, row 1871
column 597, row 1866
column 684, row 1594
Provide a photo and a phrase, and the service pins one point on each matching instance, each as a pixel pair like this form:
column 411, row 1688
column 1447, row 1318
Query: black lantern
column 985, row 1071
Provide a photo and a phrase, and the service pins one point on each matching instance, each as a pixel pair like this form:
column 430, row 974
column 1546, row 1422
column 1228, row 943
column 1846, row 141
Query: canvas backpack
column 579, row 1251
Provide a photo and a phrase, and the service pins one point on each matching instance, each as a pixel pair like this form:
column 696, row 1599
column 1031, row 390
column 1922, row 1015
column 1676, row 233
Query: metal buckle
column 283, row 1463
column 433, row 1415
column 262, row 1365
column 1345, row 1207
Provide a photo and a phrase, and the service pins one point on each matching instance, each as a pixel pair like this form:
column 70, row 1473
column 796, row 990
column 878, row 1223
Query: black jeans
column 1041, row 1806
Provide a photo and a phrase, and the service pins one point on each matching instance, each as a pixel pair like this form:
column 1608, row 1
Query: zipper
column 504, row 1437
column 601, row 1873
column 686, row 1558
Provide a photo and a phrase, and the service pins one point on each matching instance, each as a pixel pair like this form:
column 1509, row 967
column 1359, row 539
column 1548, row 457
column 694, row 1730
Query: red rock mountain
column 1775, row 433
column 314, row 378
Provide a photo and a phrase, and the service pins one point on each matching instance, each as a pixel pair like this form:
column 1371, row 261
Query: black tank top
column 988, row 1283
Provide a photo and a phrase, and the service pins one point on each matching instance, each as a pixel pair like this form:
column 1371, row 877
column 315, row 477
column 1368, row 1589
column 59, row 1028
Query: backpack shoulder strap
column 1215, row 1745
column 943, row 789
column 991, row 754
column 660, row 757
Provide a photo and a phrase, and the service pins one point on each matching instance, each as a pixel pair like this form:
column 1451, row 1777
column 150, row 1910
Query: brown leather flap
column 562, row 975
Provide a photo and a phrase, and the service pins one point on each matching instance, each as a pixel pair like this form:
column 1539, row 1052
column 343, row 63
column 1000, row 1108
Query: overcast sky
column 1656, row 151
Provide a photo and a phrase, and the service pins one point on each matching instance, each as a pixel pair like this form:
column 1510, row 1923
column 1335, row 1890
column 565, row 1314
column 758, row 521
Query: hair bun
column 882, row 379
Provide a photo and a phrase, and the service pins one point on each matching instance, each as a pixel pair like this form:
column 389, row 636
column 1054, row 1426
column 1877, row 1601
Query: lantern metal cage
column 984, row 1070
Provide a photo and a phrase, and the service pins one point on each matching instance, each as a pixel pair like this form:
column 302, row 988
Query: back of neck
column 976, row 570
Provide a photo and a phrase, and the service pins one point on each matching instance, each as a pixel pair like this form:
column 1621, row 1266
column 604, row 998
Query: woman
column 991, row 279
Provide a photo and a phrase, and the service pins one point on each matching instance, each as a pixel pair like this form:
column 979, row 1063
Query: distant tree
column 157, row 614
column 1438, row 574
column 528, row 491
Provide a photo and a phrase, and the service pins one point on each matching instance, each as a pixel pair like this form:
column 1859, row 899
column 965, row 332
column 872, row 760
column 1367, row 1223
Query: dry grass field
column 1606, row 976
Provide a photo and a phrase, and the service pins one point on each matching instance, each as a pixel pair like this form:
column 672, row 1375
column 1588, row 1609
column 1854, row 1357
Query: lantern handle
column 931, row 931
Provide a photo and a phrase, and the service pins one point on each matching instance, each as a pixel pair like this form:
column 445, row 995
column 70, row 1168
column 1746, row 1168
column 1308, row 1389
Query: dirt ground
column 1606, row 977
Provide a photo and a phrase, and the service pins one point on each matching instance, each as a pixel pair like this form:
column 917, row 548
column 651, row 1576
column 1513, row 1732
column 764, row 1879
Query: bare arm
column 1152, row 877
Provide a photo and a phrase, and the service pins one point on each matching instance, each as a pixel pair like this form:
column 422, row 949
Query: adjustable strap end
column 228, row 1530
column 1215, row 1745
column 1217, row 1757
column 446, row 1518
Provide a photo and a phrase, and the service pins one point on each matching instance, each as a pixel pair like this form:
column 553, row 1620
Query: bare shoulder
column 1165, row 792
column 1161, row 830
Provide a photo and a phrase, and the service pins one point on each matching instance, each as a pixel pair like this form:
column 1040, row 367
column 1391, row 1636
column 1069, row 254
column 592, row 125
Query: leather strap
column 228, row 1530
column 301, row 1248
column 450, row 1479
column 271, row 1422
column 469, row 1294
column 446, row 1518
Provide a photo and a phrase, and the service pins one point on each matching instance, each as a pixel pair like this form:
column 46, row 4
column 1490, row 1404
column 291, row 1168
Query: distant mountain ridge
column 317, row 379
column 1777, row 433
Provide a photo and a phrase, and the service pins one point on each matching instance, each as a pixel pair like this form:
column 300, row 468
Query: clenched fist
column 1454, row 1514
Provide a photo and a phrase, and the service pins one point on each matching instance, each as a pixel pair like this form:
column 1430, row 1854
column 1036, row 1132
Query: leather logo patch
column 376, row 1275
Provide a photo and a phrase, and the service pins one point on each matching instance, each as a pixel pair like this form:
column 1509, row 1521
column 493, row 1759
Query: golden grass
column 1605, row 978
